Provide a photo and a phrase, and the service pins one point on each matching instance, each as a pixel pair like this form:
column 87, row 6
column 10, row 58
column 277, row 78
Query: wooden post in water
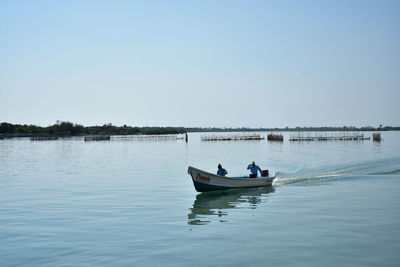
column 376, row 137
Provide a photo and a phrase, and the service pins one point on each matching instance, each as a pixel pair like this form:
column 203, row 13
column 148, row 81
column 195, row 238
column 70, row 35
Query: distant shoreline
column 296, row 129
column 71, row 129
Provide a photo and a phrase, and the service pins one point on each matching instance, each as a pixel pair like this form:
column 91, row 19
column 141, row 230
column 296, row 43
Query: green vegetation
column 66, row 128
column 295, row 129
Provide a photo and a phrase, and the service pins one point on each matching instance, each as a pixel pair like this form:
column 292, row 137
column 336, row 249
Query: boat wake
column 394, row 172
column 323, row 174
column 306, row 179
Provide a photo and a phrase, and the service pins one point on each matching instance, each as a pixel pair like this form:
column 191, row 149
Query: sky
column 200, row 63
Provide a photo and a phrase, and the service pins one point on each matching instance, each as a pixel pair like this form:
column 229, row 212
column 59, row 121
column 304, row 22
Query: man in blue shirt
column 253, row 170
column 221, row 171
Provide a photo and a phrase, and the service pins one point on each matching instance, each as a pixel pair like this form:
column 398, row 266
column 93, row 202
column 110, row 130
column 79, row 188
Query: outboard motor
column 264, row 173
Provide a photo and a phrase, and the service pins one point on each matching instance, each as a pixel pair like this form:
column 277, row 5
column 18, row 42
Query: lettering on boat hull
column 202, row 179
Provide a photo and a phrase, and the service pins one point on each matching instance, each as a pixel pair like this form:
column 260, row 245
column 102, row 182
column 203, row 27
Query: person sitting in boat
column 253, row 170
column 221, row 171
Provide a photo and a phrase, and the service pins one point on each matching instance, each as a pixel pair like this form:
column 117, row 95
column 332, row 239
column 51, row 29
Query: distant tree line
column 294, row 129
column 66, row 128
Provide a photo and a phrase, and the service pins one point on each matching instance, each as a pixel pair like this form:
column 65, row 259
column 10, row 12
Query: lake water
column 132, row 203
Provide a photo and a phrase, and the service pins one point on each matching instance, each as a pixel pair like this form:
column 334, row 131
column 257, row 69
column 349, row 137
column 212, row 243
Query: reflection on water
column 218, row 202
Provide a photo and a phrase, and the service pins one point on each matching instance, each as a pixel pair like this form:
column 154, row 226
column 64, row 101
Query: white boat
column 204, row 181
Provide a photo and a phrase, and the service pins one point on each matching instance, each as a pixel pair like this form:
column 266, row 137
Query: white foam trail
column 304, row 178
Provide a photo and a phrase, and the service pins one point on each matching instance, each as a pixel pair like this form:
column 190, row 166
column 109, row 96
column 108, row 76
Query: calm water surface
column 132, row 203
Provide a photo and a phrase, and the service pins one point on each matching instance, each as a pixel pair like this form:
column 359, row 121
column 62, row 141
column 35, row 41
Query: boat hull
column 205, row 181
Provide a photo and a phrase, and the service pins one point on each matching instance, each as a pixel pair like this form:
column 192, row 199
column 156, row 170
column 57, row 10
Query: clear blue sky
column 201, row 63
